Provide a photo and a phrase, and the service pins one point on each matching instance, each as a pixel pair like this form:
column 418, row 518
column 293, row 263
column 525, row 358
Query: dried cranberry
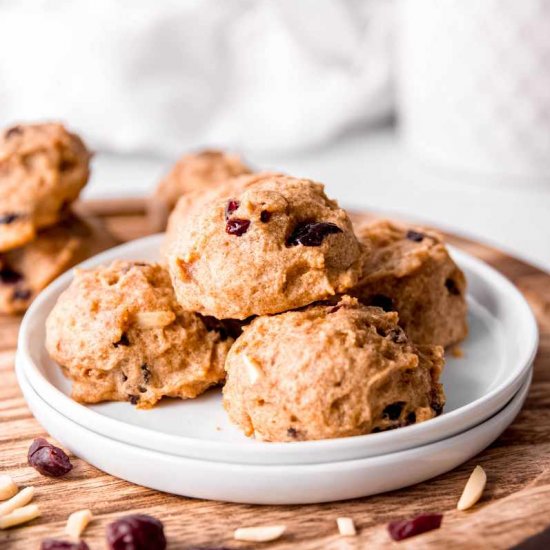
column 237, row 227
column 9, row 276
column 47, row 459
column 13, row 131
column 123, row 341
column 536, row 542
column 292, row 432
column 21, row 294
column 311, row 233
column 381, row 301
column 8, row 218
column 134, row 399
column 415, row 236
column 406, row 528
column 393, row 411
column 146, row 373
column 54, row 544
column 265, row 216
column 136, row 532
column 232, row 205
column 451, row 286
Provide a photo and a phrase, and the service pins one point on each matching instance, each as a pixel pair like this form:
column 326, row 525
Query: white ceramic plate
column 497, row 356
column 270, row 484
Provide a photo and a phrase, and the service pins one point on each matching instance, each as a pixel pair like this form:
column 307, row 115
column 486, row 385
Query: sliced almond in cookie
column 154, row 319
column 21, row 515
column 20, row 499
column 259, row 534
column 8, row 488
column 77, row 523
column 253, row 368
column 473, row 489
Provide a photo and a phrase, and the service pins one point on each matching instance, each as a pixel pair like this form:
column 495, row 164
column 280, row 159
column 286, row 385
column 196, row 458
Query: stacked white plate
column 190, row 448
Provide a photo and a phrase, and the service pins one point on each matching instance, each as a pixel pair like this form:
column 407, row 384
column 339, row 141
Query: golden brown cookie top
column 43, row 167
column 278, row 244
column 330, row 371
column 199, row 172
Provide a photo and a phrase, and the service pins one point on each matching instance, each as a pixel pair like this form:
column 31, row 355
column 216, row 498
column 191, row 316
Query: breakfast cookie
column 119, row 334
column 330, row 370
column 409, row 270
column 25, row 271
column 43, row 167
column 199, row 172
column 277, row 245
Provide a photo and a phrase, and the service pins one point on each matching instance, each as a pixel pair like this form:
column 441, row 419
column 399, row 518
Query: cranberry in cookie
column 277, row 245
column 330, row 371
column 43, row 167
column 409, row 270
column 120, row 335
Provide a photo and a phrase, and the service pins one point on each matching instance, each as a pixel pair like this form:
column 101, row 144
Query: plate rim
column 258, row 454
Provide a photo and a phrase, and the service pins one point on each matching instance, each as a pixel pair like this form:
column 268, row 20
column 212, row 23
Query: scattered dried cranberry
column 381, row 301
column 237, row 226
column 6, row 219
column 265, row 216
column 393, row 411
column 415, row 236
column 536, row 542
column 47, row 459
column 53, row 544
column 311, row 233
column 123, row 341
column 13, row 131
column 9, row 276
column 21, row 294
column 136, row 532
column 232, row 205
column 451, row 287
column 406, row 528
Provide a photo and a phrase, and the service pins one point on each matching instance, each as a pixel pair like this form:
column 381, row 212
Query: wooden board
column 516, row 503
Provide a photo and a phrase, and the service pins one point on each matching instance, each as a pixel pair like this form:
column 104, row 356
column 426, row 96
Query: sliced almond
column 259, row 534
column 473, row 489
column 8, row 488
column 21, row 515
column 346, row 527
column 77, row 523
column 253, row 368
column 154, row 319
column 20, row 499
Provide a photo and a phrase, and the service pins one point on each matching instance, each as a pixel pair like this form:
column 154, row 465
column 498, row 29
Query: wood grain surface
column 515, row 505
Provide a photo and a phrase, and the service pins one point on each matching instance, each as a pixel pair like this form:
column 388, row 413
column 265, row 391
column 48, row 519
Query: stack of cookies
column 43, row 168
column 317, row 329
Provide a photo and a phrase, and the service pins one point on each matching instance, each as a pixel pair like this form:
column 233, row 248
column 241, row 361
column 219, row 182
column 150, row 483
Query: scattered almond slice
column 8, row 488
column 154, row 319
column 252, row 369
column 19, row 516
column 259, row 534
column 346, row 527
column 473, row 489
column 20, row 499
column 77, row 523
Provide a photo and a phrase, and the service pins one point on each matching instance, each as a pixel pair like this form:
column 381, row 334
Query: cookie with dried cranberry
column 409, row 270
column 279, row 244
column 328, row 371
column 199, row 172
column 120, row 335
column 25, row 271
column 43, row 167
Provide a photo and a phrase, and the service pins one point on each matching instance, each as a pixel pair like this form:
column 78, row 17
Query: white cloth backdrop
column 165, row 76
